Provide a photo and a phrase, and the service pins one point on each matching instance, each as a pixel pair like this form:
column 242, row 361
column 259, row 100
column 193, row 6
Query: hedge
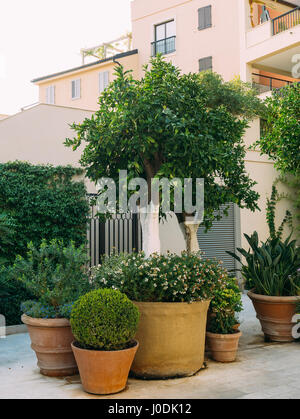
column 41, row 202
column 44, row 202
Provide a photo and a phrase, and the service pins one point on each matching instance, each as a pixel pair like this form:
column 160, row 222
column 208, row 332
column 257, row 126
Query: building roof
column 82, row 67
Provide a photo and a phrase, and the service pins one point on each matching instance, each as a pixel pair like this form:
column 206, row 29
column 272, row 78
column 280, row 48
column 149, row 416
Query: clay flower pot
column 104, row 372
column 275, row 315
column 51, row 340
column 223, row 348
column 172, row 339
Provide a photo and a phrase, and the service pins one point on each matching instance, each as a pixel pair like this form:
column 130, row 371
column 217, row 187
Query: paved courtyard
column 262, row 370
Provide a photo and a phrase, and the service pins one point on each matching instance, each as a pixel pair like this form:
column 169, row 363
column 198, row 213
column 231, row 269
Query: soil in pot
column 223, row 348
column 51, row 340
column 275, row 315
column 104, row 372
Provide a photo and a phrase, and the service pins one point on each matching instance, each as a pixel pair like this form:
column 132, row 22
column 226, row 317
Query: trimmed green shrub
column 104, row 319
column 41, row 202
column 55, row 274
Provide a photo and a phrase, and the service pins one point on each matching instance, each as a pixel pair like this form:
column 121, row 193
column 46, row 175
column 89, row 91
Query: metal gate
column 121, row 233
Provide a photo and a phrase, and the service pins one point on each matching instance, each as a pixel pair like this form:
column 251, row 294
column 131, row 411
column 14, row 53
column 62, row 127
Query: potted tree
column 222, row 334
column 104, row 323
column 173, row 293
column 53, row 273
column 270, row 269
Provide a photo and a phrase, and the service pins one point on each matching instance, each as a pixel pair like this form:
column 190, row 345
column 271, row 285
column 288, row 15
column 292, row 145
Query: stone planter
column 172, row 339
column 223, row 348
column 275, row 315
column 51, row 340
column 104, row 372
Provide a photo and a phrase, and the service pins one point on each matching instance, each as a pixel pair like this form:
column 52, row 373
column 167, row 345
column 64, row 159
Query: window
column 103, row 80
column 164, row 38
column 75, row 89
column 204, row 15
column 205, row 64
column 50, row 95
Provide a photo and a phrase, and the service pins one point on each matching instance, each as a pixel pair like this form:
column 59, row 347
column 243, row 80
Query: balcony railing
column 266, row 83
column 164, row 46
column 286, row 21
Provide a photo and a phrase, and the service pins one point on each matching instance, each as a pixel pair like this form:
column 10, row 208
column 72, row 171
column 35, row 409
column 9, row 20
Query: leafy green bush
column 38, row 311
column 104, row 319
column 224, row 306
column 12, row 294
column 54, row 273
column 271, row 267
column 42, row 202
column 162, row 278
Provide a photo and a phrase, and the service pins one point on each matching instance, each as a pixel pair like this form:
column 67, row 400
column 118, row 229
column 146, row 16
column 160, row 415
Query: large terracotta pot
column 51, row 340
column 223, row 348
column 172, row 339
column 275, row 315
column 104, row 372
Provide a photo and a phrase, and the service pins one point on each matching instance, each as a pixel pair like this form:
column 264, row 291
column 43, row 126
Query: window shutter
column 205, row 20
column 205, row 64
column 50, row 95
column 103, row 80
column 76, row 89
column 219, row 239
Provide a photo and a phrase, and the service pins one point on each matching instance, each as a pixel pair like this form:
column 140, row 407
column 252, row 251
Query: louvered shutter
column 50, row 95
column 220, row 239
column 205, row 20
column 103, row 80
column 205, row 64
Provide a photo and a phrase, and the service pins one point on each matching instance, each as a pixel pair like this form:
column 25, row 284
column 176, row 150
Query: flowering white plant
column 161, row 278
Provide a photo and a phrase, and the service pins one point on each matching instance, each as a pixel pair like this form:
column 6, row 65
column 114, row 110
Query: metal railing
column 266, row 83
column 164, row 46
column 286, row 21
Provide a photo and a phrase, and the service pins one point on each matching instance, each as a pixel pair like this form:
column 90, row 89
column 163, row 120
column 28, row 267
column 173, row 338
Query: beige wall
column 221, row 41
column 37, row 136
column 89, row 77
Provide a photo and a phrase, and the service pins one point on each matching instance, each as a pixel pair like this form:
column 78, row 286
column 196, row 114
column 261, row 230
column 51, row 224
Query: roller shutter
column 220, row 238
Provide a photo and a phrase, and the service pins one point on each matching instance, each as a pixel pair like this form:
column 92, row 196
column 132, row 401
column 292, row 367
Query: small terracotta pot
column 51, row 340
column 223, row 348
column 275, row 315
column 104, row 372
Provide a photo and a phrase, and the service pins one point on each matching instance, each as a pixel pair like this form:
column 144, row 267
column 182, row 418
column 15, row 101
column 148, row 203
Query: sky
column 40, row 37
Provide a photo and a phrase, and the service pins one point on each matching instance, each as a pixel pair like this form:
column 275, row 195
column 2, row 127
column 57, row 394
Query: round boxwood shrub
column 104, row 319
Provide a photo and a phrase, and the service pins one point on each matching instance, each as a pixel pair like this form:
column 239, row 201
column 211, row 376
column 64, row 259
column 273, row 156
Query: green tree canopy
column 281, row 140
column 170, row 125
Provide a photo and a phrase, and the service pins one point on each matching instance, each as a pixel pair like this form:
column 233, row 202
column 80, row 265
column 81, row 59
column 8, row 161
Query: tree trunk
column 189, row 231
column 150, row 229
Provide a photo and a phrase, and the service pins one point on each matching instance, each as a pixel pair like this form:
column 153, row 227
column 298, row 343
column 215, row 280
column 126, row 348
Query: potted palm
column 270, row 269
column 104, row 323
column 222, row 334
column 53, row 274
column 173, row 293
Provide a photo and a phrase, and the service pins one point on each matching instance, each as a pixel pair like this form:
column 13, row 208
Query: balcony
column 164, row 46
column 286, row 21
column 265, row 84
